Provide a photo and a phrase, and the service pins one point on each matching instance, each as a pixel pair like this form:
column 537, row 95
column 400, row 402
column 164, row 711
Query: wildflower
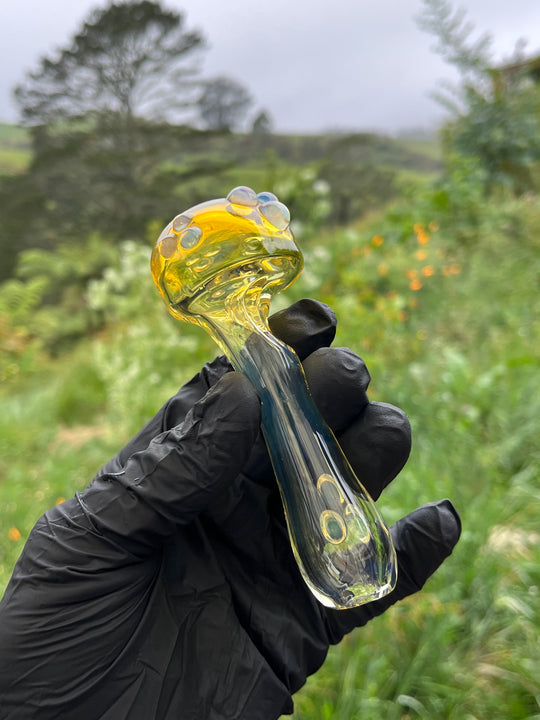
column 415, row 284
column 433, row 226
column 14, row 534
column 60, row 500
column 421, row 254
column 455, row 269
column 382, row 269
column 402, row 316
column 422, row 237
column 412, row 274
column 446, row 271
column 377, row 240
column 428, row 271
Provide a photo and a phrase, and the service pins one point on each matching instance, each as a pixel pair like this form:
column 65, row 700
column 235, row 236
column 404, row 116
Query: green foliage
column 46, row 303
column 503, row 130
column 126, row 59
column 496, row 111
column 14, row 149
column 144, row 346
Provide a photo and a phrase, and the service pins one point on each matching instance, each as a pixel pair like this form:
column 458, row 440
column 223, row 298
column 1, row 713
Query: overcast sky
column 313, row 65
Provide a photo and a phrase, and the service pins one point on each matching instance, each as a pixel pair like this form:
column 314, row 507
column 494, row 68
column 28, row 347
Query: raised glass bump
column 276, row 213
column 180, row 222
column 243, row 195
column 168, row 246
column 265, row 196
column 190, row 237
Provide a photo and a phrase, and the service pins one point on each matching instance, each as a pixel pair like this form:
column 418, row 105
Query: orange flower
column 14, row 534
column 446, row 271
column 421, row 254
column 415, row 284
column 433, row 226
column 60, row 500
column 428, row 270
column 454, row 269
column 422, row 237
column 402, row 316
column 411, row 274
column 377, row 240
column 382, row 269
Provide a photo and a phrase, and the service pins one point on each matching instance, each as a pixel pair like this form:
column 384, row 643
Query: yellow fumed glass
column 217, row 265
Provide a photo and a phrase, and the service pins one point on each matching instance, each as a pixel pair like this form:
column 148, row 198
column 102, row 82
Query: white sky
column 337, row 64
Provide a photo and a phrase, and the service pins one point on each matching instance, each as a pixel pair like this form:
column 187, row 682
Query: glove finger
column 375, row 437
column 423, row 540
column 338, row 380
column 377, row 445
column 306, row 326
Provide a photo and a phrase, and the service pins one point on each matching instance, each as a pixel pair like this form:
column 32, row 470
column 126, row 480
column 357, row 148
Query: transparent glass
column 217, row 265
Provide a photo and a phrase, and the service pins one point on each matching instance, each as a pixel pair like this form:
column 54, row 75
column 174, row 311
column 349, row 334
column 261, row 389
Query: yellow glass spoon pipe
column 217, row 265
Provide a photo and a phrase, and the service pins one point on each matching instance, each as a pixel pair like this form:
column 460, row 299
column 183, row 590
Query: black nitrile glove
column 168, row 589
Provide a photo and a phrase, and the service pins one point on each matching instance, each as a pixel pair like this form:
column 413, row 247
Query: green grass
column 14, row 149
column 450, row 332
column 464, row 365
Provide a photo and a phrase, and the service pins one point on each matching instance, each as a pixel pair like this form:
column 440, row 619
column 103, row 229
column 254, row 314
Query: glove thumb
column 182, row 470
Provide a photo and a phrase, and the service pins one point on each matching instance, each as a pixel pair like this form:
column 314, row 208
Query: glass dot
column 180, row 222
column 266, row 196
column 243, row 195
column 203, row 264
column 168, row 246
column 191, row 237
column 276, row 213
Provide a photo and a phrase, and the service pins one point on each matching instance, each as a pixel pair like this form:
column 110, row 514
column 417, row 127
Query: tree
column 494, row 120
column 103, row 160
column 129, row 58
column 357, row 180
column 262, row 124
column 223, row 103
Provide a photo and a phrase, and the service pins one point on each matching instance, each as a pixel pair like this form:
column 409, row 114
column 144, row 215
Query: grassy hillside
column 418, row 154
column 441, row 296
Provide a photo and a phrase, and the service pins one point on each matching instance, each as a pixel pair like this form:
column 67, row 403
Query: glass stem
column 340, row 542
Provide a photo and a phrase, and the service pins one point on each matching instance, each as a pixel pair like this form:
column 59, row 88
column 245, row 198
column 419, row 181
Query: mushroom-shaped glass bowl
column 217, row 265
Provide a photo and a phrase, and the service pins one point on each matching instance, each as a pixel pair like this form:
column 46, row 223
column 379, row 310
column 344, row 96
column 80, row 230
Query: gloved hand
column 168, row 588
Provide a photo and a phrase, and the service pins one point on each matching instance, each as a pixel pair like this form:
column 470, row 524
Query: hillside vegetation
column 439, row 293
column 15, row 150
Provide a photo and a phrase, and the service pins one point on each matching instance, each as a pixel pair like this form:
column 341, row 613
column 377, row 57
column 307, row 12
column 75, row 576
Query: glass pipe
column 217, row 265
